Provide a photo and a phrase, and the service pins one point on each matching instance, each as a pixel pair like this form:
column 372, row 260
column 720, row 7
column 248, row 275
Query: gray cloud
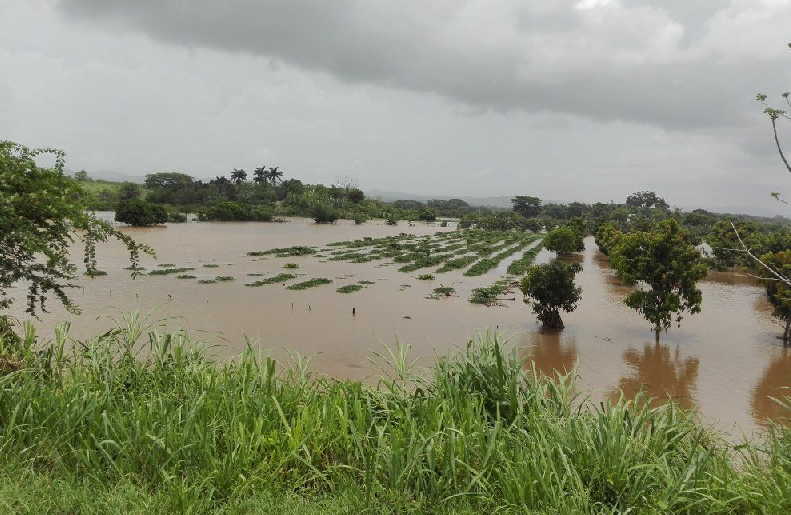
column 674, row 64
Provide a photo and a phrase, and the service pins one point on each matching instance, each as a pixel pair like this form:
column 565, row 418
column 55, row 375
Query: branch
column 779, row 148
column 777, row 275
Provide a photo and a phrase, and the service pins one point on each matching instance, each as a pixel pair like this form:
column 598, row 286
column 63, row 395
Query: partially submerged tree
column 665, row 266
column 607, row 236
column 42, row 213
column 140, row 213
column 779, row 293
column 564, row 240
column 549, row 288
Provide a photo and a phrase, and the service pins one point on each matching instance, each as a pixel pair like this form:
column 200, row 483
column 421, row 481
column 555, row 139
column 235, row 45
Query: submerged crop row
column 99, row 430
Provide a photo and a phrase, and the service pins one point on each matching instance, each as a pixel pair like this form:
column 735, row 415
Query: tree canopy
column 42, row 213
column 550, row 287
column 665, row 267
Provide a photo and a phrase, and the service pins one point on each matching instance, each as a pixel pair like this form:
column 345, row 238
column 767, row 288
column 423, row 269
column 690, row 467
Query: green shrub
column 140, row 213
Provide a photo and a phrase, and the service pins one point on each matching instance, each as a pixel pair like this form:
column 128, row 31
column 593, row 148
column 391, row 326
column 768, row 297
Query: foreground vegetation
column 136, row 421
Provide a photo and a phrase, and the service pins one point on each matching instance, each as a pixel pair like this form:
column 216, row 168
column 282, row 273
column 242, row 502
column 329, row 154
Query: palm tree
column 260, row 175
column 238, row 175
column 274, row 174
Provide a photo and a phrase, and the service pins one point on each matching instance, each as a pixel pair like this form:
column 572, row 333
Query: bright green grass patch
column 350, row 288
column 168, row 271
column 279, row 278
column 312, row 283
column 489, row 295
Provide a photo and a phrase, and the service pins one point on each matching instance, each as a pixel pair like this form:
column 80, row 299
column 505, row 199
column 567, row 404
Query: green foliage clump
column 232, row 211
column 42, row 213
column 426, row 277
column 168, row 271
column 564, row 240
column 455, row 264
column 93, row 431
column 207, row 281
column 291, row 265
column 443, row 291
column 140, row 213
column 185, row 276
column 95, row 273
column 489, row 295
column 224, row 278
column 551, row 289
column 350, row 288
column 521, row 265
column 279, row 278
column 324, row 214
column 312, row 283
column 285, row 251
column 607, row 237
column 668, row 264
column 778, row 292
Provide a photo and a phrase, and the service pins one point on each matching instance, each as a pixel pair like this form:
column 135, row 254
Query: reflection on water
column 660, row 372
column 774, row 384
column 550, row 352
column 713, row 362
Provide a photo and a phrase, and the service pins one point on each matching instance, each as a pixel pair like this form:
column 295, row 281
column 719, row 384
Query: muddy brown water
column 725, row 363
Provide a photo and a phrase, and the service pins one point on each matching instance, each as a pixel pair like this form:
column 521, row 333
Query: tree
column 42, row 213
column 168, row 180
column 128, row 191
column 355, row 195
column 778, row 292
column 82, row 175
column 665, row 261
column 140, row 213
column 646, row 199
column 564, row 240
column 551, row 288
column 260, row 175
column 238, row 176
column 607, row 237
column 274, row 174
column 526, row 206
column 426, row 215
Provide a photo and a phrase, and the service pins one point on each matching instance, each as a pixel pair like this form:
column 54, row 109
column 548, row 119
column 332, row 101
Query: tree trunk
column 552, row 320
column 787, row 333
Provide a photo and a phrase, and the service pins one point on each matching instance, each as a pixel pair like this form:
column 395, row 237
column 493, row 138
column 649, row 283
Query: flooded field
column 725, row 362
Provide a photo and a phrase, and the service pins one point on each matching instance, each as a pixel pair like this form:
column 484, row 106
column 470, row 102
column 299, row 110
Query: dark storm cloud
column 674, row 64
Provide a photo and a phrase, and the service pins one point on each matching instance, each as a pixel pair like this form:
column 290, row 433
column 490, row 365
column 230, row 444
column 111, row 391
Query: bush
column 230, row 211
column 324, row 214
column 564, row 240
column 140, row 213
column 426, row 215
column 551, row 288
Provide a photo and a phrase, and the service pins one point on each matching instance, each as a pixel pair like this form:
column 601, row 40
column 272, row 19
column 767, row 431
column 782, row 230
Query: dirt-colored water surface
column 725, row 362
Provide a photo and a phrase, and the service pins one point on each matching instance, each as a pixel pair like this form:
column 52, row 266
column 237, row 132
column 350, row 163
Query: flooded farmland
column 725, row 362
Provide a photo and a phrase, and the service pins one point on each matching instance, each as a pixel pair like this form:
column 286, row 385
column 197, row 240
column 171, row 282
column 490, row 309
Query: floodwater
column 725, row 363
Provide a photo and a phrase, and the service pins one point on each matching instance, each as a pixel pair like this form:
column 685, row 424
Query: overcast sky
column 565, row 99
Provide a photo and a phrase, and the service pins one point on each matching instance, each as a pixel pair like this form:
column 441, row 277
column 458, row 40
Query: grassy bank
column 136, row 421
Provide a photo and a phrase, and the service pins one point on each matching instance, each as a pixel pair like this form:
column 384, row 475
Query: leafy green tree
column 564, row 240
column 607, row 237
column 426, row 215
column 168, row 180
column 42, row 213
column 778, row 292
column 355, row 195
column 82, row 175
column 549, row 288
column 526, row 206
column 140, row 213
column 666, row 267
column 324, row 213
column 725, row 244
column 646, row 199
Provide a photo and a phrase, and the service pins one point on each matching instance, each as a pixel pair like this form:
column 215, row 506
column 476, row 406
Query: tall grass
column 137, row 420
